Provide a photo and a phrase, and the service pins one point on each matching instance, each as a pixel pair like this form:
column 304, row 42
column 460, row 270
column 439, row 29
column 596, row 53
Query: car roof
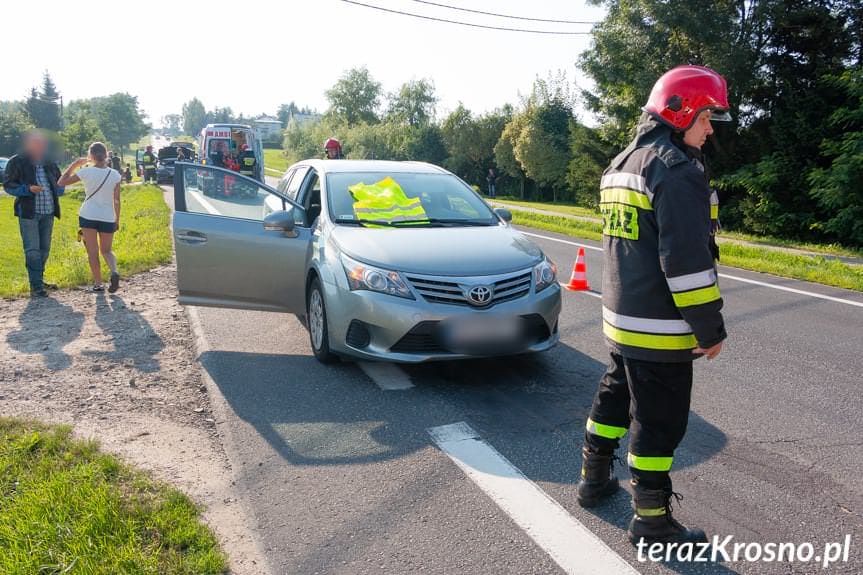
column 337, row 166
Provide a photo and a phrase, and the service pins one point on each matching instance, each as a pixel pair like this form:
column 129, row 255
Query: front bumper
column 404, row 331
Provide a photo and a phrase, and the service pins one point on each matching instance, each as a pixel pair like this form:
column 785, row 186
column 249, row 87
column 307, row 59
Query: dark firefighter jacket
column 660, row 294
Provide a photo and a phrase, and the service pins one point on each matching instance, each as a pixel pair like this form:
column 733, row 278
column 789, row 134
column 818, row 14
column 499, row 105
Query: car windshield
column 3, row 162
column 445, row 200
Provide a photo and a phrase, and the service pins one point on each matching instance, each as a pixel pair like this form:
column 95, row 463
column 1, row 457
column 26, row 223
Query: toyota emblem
column 479, row 295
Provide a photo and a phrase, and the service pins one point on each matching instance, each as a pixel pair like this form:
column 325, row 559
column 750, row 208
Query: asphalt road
column 338, row 469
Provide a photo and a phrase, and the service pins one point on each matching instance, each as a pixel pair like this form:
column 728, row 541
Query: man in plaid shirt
column 32, row 178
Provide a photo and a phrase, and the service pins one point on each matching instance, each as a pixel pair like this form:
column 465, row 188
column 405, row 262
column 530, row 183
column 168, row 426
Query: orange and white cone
column 578, row 281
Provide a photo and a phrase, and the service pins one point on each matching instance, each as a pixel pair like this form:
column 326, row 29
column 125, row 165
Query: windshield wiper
column 460, row 222
column 426, row 222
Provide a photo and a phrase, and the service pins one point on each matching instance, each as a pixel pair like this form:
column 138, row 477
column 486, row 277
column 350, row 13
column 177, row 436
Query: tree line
column 115, row 119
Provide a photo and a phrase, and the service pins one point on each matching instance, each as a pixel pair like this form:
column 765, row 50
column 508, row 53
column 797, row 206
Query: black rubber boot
column 653, row 521
column 597, row 478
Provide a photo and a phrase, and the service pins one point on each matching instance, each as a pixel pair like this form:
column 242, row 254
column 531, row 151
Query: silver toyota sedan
column 393, row 261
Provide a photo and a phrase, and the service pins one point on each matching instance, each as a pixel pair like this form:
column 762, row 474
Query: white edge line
column 793, row 290
column 205, row 202
column 576, row 549
column 726, row 276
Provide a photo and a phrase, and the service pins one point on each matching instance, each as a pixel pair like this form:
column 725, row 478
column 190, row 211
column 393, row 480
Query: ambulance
column 220, row 144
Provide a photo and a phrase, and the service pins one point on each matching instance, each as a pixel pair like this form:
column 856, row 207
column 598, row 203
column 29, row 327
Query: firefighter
column 248, row 161
column 333, row 149
column 148, row 161
column 661, row 300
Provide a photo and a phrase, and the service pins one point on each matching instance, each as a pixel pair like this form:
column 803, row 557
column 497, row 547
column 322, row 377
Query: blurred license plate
column 483, row 334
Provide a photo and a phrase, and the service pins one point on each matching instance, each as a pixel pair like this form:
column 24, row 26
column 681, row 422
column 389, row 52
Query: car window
column 443, row 197
column 283, row 183
column 311, row 200
column 296, row 181
column 223, row 193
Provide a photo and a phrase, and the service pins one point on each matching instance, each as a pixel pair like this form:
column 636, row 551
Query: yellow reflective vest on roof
column 385, row 201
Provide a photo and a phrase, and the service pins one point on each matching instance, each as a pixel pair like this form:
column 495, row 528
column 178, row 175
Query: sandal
column 115, row 283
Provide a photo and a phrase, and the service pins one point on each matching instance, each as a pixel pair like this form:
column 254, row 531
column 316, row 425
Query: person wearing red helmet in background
column 661, row 301
column 333, row 149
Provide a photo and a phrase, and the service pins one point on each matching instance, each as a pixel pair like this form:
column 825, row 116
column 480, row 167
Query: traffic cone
column 578, row 281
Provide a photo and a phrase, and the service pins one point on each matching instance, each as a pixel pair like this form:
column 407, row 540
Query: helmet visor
column 720, row 116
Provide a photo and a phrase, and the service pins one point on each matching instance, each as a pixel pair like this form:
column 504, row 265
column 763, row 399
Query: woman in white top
column 99, row 216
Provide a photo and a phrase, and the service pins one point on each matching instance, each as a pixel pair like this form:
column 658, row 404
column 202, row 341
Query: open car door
column 239, row 243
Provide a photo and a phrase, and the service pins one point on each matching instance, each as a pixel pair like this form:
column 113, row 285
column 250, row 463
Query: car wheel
column 316, row 314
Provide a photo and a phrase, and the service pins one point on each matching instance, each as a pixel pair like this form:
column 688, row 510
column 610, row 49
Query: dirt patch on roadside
column 122, row 368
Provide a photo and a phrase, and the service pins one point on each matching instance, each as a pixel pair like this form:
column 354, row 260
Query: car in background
column 3, row 162
column 168, row 155
column 456, row 281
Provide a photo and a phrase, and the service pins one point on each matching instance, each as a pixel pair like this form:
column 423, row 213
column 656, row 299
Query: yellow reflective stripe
column 714, row 212
column 696, row 296
column 655, row 512
column 646, row 463
column 624, row 196
column 603, row 430
column 648, row 340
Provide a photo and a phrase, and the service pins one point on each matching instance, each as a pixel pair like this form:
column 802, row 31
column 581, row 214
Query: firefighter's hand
column 710, row 352
column 35, row 189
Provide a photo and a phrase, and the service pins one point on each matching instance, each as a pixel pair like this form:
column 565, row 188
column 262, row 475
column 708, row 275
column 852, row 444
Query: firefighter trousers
column 149, row 175
column 649, row 399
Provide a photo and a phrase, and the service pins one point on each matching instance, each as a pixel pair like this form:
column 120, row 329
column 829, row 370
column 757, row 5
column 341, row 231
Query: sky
column 252, row 56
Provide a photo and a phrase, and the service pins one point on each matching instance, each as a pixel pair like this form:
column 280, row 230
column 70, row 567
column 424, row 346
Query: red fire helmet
column 684, row 92
column 332, row 144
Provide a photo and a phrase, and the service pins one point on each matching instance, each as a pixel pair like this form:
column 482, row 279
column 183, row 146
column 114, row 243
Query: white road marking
column 199, row 197
column 793, row 290
column 572, row 545
column 585, row 246
column 727, row 276
column 587, row 292
column 387, row 376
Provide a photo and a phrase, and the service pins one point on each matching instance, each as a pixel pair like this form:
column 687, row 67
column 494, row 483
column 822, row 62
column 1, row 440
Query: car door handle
column 192, row 237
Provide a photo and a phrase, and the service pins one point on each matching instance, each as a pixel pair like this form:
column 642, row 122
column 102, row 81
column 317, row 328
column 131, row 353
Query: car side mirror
column 281, row 221
column 504, row 214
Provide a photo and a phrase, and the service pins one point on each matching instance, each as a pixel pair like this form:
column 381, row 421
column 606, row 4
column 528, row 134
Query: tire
column 316, row 317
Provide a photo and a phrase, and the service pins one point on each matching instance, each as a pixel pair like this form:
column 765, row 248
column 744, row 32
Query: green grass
column 275, row 160
column 65, row 507
column 552, row 207
column 809, row 268
column 143, row 242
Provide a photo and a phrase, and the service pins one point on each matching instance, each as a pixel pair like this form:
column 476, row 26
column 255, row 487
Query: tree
column 413, row 104
column 119, row 119
column 355, row 98
column 43, row 106
column 285, row 112
column 194, row 117
column 173, row 124
column 470, row 140
column 589, row 157
column 504, row 150
column 13, row 126
column 81, row 131
column 837, row 187
column 221, row 116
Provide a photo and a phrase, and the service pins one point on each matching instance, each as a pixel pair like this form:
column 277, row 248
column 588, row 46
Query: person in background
column 333, row 149
column 127, row 174
column 34, row 181
column 149, row 161
column 114, row 161
column 99, row 216
column 181, row 155
column 491, row 178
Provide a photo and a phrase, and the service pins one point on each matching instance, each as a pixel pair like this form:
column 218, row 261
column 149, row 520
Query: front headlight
column 544, row 275
column 363, row 276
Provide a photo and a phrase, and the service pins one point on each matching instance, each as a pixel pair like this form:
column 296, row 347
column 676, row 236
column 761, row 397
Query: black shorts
column 99, row 226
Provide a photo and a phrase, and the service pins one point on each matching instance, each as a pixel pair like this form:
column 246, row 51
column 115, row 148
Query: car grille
column 452, row 290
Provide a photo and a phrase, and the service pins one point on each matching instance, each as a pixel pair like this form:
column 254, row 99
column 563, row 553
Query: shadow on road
column 47, row 326
column 133, row 338
column 313, row 414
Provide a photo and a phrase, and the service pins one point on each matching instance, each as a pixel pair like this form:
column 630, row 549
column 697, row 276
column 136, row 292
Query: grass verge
column 552, row 207
column 143, row 242
column 68, row 508
column 275, row 160
column 809, row 268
